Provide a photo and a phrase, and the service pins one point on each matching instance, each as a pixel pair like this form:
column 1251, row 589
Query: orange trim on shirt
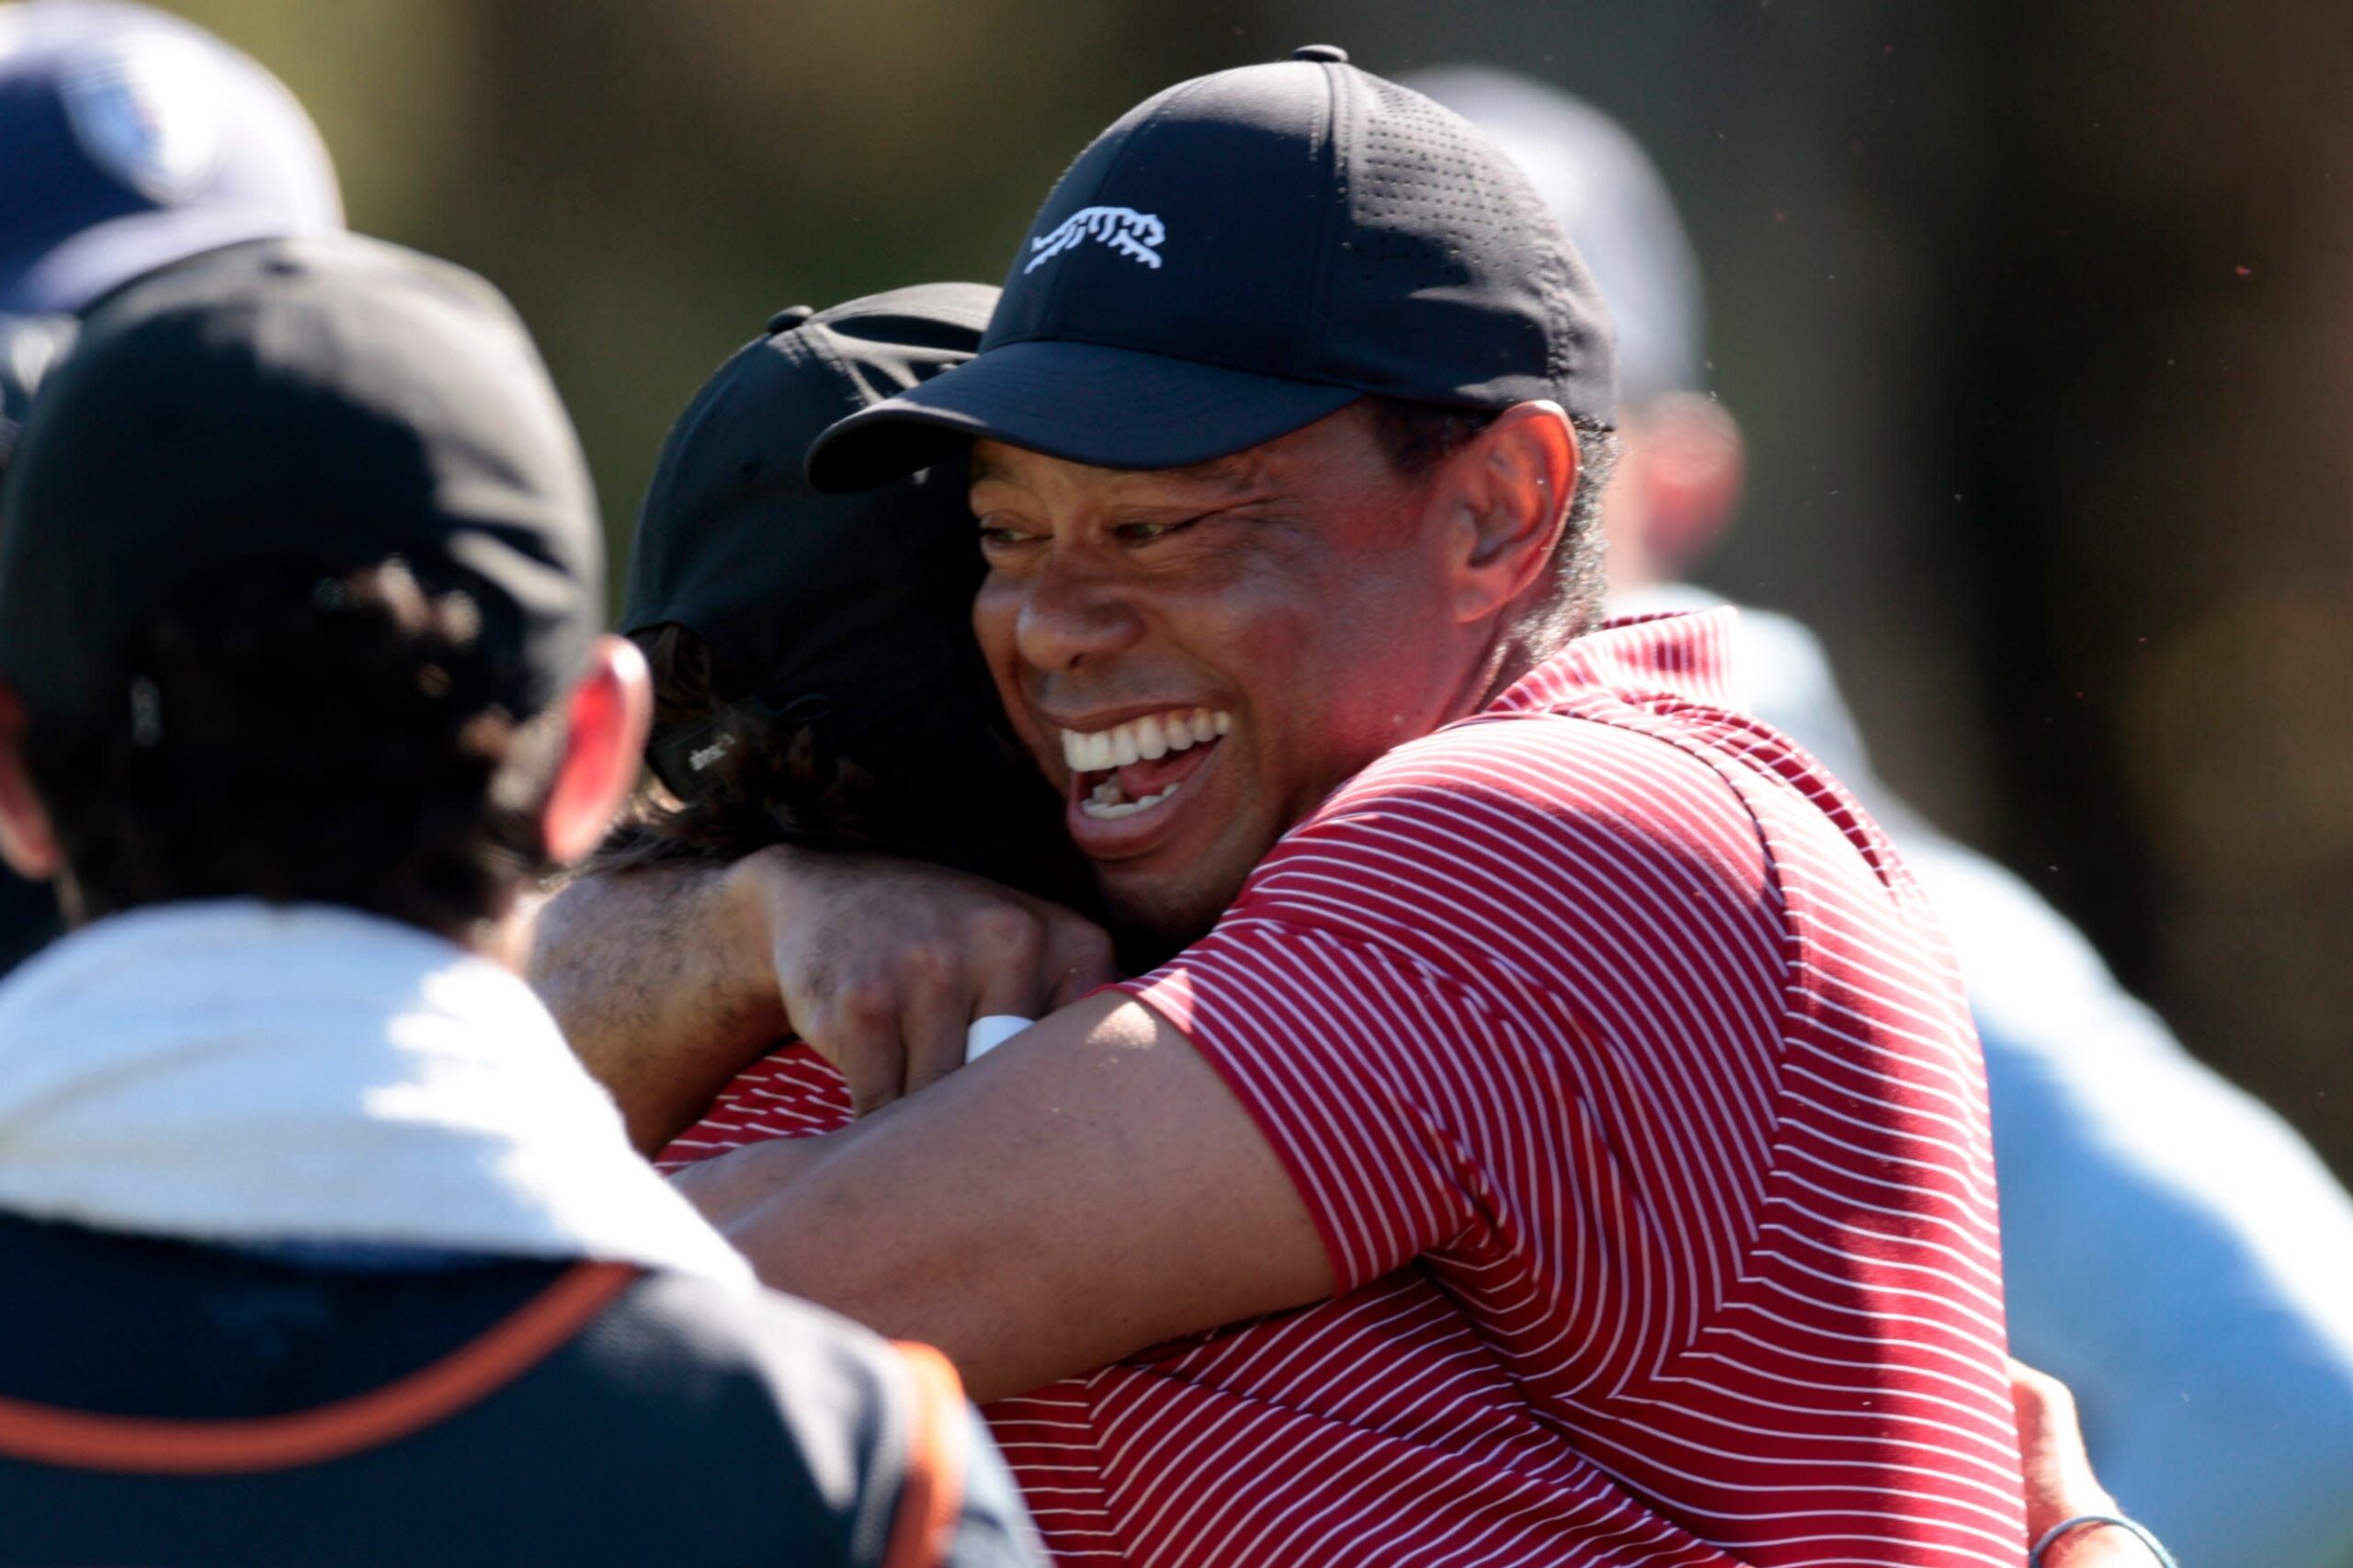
column 79, row 1440
column 934, row 1494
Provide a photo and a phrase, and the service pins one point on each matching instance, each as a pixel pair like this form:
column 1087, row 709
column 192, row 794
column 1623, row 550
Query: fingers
column 2059, row 1479
column 901, row 1025
column 1009, row 968
column 938, row 1004
column 883, row 966
column 1078, row 959
column 1046, row 957
column 861, row 1036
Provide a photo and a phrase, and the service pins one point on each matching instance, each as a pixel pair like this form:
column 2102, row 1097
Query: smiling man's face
column 1199, row 656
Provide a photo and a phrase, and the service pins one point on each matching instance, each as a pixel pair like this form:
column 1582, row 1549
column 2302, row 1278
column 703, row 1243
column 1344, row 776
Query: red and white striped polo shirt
column 792, row 1092
column 1630, row 1087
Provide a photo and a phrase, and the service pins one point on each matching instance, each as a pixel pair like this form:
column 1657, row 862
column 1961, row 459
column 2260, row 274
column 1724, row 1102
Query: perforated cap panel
column 1237, row 255
column 1452, row 261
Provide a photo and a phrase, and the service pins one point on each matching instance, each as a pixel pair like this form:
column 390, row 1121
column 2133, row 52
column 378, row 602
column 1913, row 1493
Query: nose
column 1070, row 614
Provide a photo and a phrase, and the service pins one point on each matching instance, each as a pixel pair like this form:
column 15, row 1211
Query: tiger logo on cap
column 1124, row 229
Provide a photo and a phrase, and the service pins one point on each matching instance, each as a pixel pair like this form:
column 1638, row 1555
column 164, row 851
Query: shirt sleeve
column 1471, row 1011
column 993, row 1524
column 1337, row 1050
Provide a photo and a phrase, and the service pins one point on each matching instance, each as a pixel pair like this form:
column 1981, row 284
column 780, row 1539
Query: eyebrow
column 1208, row 471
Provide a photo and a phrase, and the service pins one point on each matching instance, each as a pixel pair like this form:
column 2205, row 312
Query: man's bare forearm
column 644, row 971
column 734, row 1188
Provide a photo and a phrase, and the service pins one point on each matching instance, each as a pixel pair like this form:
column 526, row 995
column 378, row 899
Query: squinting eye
column 1144, row 533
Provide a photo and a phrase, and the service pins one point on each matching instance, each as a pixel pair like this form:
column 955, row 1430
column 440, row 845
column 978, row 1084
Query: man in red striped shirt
column 1562, row 1141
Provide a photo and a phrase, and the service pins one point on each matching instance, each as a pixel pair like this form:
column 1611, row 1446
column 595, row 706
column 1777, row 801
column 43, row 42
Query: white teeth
column 1102, row 810
column 1142, row 740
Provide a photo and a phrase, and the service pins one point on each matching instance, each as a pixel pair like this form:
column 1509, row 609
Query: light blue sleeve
column 993, row 1529
column 2172, row 1249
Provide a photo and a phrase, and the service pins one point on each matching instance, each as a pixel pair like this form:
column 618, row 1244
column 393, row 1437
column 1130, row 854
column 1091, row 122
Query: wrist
column 2097, row 1540
column 752, row 903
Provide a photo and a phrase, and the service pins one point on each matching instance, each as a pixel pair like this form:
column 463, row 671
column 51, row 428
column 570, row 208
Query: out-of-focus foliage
column 2040, row 316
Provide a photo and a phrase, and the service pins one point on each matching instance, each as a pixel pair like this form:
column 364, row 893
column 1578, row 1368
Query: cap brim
column 1080, row 402
column 69, row 277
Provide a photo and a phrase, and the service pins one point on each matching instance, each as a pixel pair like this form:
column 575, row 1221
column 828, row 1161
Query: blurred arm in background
column 2172, row 1249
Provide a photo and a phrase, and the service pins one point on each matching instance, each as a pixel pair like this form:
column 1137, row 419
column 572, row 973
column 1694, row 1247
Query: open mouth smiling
column 1130, row 767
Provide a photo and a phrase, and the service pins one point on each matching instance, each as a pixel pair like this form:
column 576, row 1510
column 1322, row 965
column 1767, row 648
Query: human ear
column 28, row 838
column 609, row 713
column 1508, row 491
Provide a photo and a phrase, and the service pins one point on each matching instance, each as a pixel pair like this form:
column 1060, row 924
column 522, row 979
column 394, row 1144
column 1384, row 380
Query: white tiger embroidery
column 1124, row 229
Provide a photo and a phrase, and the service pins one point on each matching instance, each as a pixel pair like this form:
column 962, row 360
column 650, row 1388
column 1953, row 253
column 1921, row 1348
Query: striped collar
column 1682, row 657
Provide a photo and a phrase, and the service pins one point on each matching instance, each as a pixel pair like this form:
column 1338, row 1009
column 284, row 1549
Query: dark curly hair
column 780, row 774
column 300, row 732
column 768, row 784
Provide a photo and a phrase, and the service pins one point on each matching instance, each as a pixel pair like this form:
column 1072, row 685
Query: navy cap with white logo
column 132, row 139
column 1245, row 254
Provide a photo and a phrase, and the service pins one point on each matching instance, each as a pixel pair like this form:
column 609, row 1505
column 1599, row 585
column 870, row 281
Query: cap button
column 1321, row 53
column 790, row 317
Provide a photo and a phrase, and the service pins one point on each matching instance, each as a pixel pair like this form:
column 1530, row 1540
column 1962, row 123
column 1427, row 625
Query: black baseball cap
column 1243, row 254
column 334, row 401
column 849, row 618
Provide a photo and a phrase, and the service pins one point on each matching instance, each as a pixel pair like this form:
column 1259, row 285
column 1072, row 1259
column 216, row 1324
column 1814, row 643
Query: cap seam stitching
column 818, row 351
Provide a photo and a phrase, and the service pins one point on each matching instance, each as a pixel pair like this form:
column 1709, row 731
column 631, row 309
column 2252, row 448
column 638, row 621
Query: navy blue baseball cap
column 1615, row 208
column 863, row 601
column 840, row 627
column 1243, row 254
column 130, row 140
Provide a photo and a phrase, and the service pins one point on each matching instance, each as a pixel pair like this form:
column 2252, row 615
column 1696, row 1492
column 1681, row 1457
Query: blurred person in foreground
column 1551, row 1063
column 2171, row 1248
column 318, row 1245
column 129, row 139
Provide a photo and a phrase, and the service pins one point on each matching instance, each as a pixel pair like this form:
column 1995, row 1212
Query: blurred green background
column 2040, row 317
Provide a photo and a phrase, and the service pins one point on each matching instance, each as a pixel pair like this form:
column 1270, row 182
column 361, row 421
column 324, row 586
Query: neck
column 1525, row 644
column 506, row 939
